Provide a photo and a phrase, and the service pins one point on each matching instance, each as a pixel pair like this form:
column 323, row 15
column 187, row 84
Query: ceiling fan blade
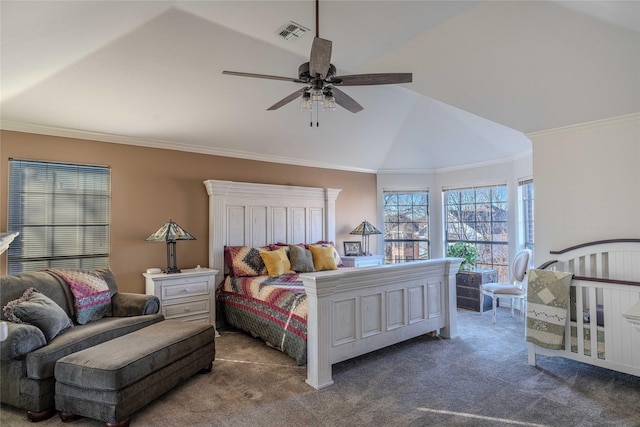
column 286, row 100
column 372, row 79
column 320, row 58
column 345, row 101
column 263, row 76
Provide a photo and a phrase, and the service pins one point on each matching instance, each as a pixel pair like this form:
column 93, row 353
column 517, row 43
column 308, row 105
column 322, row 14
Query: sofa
column 52, row 314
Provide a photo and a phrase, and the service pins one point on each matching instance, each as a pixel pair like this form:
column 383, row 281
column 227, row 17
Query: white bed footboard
column 357, row 311
column 601, row 329
column 350, row 311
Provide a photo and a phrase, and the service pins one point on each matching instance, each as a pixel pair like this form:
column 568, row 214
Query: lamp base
column 172, row 258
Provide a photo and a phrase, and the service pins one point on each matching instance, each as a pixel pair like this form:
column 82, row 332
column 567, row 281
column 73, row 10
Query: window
column 406, row 226
column 62, row 214
column 479, row 216
column 525, row 188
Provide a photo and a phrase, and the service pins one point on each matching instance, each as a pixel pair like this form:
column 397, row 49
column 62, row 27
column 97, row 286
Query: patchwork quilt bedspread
column 272, row 308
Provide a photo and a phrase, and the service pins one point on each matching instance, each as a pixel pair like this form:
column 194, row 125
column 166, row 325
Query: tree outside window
column 479, row 216
column 406, row 226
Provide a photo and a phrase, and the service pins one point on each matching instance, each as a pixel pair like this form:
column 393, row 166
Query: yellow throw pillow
column 277, row 262
column 323, row 258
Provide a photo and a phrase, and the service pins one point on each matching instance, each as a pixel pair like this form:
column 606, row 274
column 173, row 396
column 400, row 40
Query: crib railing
column 605, row 285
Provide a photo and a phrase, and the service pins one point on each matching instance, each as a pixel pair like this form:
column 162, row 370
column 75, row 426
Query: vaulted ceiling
column 484, row 75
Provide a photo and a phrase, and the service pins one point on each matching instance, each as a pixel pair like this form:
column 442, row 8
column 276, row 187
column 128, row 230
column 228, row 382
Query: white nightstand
column 363, row 261
column 187, row 296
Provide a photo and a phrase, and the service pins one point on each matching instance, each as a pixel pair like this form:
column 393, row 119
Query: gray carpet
column 480, row 378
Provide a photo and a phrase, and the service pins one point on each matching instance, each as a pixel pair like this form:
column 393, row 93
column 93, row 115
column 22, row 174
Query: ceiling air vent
column 292, row 31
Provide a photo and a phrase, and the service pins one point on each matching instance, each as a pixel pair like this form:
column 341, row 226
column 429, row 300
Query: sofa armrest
column 126, row 304
column 21, row 340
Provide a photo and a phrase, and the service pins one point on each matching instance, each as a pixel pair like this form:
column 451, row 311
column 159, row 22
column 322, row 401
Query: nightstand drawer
column 363, row 261
column 186, row 309
column 186, row 296
column 188, row 288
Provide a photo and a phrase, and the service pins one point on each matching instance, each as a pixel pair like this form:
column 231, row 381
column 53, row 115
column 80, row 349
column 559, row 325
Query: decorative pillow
column 301, row 259
column 39, row 310
column 91, row 293
column 277, row 262
column 276, row 246
column 244, row 261
column 323, row 258
column 336, row 254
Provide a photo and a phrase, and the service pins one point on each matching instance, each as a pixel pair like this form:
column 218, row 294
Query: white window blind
column 62, row 212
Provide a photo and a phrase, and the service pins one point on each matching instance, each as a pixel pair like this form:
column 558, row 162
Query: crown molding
column 168, row 145
column 493, row 162
column 612, row 121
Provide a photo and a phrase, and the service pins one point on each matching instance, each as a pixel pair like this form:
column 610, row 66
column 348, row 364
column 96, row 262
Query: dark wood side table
column 468, row 288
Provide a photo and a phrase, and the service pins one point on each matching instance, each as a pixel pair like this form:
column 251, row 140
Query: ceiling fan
column 320, row 80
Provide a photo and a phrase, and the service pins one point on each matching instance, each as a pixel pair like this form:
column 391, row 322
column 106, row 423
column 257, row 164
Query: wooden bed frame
column 606, row 274
column 350, row 311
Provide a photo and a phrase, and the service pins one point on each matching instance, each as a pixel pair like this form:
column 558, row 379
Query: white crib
column 605, row 302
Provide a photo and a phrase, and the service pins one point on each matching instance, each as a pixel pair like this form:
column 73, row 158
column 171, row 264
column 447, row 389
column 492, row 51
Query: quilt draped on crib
column 547, row 307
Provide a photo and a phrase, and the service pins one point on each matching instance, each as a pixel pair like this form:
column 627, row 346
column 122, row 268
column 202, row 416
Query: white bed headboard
column 247, row 214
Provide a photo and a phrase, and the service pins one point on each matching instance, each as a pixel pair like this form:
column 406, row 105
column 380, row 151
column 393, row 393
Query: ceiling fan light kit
column 319, row 77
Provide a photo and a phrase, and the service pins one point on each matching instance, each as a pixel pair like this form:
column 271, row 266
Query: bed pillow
column 301, row 259
column 323, row 257
column 276, row 246
column 336, row 254
column 277, row 262
column 245, row 261
column 39, row 310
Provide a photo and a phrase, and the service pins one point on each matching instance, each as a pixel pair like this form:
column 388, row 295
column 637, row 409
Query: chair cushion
column 520, row 263
column 502, row 289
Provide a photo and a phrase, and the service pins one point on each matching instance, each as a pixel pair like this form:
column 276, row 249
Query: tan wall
column 149, row 186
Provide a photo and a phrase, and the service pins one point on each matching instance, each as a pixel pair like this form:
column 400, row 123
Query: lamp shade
column 365, row 228
column 170, row 232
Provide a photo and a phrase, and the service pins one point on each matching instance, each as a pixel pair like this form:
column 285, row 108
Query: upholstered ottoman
column 112, row 380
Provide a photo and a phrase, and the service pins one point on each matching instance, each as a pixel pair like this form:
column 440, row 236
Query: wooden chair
column 514, row 291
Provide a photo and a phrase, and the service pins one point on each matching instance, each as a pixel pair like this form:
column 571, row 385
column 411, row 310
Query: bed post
column 217, row 190
column 331, row 194
column 451, row 268
column 319, row 290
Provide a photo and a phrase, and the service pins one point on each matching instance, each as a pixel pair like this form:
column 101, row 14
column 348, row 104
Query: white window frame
column 419, row 244
column 481, row 242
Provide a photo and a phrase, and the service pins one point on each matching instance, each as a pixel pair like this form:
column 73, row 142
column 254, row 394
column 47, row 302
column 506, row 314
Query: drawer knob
column 185, row 290
column 187, row 309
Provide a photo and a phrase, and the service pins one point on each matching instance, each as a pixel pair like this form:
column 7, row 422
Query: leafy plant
column 467, row 251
